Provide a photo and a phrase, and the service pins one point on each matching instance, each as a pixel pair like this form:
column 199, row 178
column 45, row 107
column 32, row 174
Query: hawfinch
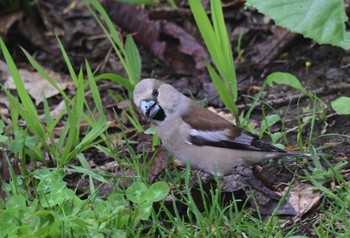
column 198, row 136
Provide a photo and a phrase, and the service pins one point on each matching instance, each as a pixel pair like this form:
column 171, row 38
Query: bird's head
column 157, row 100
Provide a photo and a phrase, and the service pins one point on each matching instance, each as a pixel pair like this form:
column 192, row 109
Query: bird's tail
column 297, row 153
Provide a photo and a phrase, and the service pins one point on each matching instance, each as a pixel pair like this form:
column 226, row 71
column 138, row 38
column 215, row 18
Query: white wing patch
column 220, row 136
column 215, row 136
column 244, row 139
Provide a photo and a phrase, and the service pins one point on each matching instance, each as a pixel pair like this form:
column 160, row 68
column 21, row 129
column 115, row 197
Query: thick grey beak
column 149, row 108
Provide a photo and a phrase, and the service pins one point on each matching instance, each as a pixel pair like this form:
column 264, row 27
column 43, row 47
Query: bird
column 195, row 135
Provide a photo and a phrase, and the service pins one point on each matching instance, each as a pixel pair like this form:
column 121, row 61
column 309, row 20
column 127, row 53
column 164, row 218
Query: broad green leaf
column 158, row 191
column 275, row 137
column 320, row 20
column 3, row 138
column 284, row 78
column 150, row 131
column 57, row 198
column 16, row 201
column 268, row 122
column 136, row 192
column 144, row 210
column 272, row 119
column 44, row 173
column 117, row 201
column 341, row 105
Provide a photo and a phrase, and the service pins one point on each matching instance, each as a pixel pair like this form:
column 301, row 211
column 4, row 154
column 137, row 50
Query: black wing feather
column 239, row 143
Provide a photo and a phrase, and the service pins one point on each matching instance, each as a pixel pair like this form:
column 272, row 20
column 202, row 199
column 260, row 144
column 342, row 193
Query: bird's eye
column 155, row 93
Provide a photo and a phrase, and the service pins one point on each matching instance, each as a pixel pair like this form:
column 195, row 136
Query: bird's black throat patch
column 160, row 116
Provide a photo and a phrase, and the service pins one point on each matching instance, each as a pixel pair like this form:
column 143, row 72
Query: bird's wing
column 209, row 129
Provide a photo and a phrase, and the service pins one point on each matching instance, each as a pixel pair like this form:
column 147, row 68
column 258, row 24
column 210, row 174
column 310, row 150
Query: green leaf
column 223, row 91
column 320, row 20
column 341, row 105
column 117, row 200
column 45, row 75
column 97, row 130
column 219, row 46
column 276, row 136
column 137, row 192
column 116, row 78
column 268, row 122
column 158, row 191
column 144, row 210
column 44, row 173
column 133, row 60
column 57, row 198
column 116, row 40
column 2, row 126
column 150, row 131
column 94, row 90
column 22, row 92
column 3, row 138
column 16, row 201
column 284, row 78
column 89, row 172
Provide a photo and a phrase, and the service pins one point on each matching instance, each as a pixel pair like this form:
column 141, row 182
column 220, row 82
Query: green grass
column 39, row 203
column 216, row 39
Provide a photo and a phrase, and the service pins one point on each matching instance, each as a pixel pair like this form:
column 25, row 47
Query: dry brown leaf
column 183, row 53
column 272, row 47
column 37, row 86
column 303, row 198
column 226, row 115
column 59, row 108
column 8, row 19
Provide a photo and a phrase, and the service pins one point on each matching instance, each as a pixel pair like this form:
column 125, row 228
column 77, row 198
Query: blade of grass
column 22, row 92
column 116, row 78
column 218, row 44
column 68, row 63
column 133, row 59
column 221, row 88
column 94, row 90
column 42, row 72
column 99, row 128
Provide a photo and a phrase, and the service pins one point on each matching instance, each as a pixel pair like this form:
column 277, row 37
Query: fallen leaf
column 37, row 86
column 165, row 40
column 226, row 115
column 272, row 47
column 61, row 107
column 188, row 45
column 303, row 198
column 8, row 19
